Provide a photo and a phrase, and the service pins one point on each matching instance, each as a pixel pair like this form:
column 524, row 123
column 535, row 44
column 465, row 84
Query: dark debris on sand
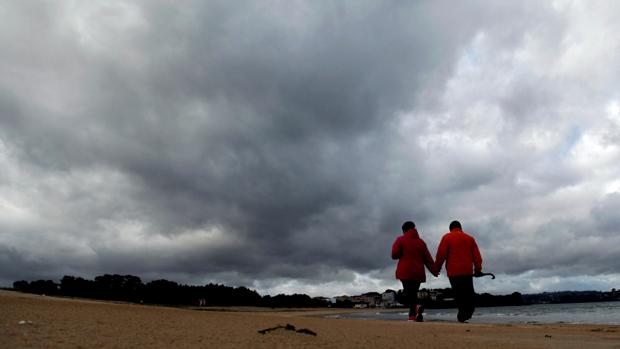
column 288, row 327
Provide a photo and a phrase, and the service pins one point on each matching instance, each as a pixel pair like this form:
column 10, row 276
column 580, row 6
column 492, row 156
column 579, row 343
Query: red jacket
column 412, row 255
column 460, row 252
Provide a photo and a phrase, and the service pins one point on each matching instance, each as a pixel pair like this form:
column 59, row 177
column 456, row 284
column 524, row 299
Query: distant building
column 424, row 294
column 341, row 299
column 388, row 299
column 432, row 295
column 323, row 299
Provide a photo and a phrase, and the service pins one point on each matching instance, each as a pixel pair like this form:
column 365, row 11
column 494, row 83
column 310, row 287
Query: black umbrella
column 484, row 274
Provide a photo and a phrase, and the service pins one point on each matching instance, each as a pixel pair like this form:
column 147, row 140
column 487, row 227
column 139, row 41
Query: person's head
column 455, row 225
column 408, row 225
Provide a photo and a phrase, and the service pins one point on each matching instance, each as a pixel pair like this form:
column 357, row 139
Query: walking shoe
column 461, row 318
column 419, row 309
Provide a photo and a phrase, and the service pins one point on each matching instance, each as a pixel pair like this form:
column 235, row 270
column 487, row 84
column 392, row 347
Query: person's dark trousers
column 463, row 288
column 410, row 291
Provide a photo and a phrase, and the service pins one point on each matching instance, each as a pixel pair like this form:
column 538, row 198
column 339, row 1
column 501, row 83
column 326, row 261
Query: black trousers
column 464, row 295
column 410, row 291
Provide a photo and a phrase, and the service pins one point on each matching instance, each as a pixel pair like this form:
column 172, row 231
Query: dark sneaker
column 462, row 318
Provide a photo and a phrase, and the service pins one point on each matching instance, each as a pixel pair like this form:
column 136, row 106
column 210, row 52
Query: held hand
column 478, row 273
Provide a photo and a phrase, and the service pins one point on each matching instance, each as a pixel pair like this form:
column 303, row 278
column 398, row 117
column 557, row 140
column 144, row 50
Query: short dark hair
column 455, row 224
column 408, row 225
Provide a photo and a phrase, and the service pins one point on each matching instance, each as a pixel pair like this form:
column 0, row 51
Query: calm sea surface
column 575, row 313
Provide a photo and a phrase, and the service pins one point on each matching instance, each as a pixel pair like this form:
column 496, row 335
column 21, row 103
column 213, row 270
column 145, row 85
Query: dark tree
column 119, row 287
column 77, row 287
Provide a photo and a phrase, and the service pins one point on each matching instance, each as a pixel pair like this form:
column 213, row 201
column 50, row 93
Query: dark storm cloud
column 265, row 141
column 14, row 263
column 236, row 116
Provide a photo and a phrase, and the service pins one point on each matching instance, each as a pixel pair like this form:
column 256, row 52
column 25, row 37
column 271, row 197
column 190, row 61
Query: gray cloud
column 260, row 143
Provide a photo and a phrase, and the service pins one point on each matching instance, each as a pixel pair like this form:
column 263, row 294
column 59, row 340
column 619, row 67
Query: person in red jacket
column 462, row 256
column 412, row 255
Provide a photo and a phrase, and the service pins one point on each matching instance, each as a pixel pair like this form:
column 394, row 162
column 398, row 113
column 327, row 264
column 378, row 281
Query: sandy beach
column 31, row 321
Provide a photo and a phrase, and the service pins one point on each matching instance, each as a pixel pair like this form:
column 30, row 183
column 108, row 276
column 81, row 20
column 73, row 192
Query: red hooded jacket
column 412, row 255
column 460, row 252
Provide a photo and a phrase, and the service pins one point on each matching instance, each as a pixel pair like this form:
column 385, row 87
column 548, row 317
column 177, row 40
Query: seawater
column 573, row 313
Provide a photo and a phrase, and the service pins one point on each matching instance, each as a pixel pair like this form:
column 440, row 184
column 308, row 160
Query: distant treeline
column 130, row 288
column 572, row 297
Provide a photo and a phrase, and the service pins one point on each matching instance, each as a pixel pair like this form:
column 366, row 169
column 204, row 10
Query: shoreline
column 31, row 321
column 590, row 313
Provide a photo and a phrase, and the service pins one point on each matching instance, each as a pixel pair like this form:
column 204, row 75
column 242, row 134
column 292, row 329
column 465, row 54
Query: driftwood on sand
column 288, row 327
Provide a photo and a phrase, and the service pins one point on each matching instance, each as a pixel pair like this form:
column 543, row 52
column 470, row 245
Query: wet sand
column 30, row 321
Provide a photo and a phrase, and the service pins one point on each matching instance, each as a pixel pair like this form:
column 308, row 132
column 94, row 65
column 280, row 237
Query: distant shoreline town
column 131, row 289
column 443, row 298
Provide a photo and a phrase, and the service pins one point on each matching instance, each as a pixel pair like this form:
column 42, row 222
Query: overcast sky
column 280, row 145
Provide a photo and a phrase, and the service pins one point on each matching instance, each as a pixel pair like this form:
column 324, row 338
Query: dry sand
column 70, row 323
